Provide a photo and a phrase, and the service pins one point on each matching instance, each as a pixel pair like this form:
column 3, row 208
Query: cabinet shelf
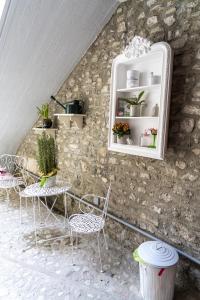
column 145, row 117
column 77, row 119
column 69, row 115
column 134, row 149
column 145, row 87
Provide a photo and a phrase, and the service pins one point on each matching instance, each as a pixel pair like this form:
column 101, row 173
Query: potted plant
column 44, row 113
column 46, row 159
column 134, row 103
column 121, row 130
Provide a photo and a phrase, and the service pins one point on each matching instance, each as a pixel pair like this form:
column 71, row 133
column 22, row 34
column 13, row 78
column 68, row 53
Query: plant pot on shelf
column 47, row 123
column 48, row 182
column 134, row 110
column 121, row 139
column 142, row 110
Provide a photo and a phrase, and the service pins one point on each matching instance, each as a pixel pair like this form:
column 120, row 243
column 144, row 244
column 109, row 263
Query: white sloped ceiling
column 40, row 43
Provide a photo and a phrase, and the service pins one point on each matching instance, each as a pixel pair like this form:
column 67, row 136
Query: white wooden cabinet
column 158, row 61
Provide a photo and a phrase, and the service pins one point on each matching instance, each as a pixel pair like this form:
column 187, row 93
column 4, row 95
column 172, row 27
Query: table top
column 34, row 190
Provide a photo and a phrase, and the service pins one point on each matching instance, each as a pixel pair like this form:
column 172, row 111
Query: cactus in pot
column 46, row 159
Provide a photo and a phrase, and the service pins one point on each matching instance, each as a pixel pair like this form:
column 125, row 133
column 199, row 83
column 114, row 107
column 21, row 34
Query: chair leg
column 7, row 196
column 98, row 242
column 72, row 246
column 76, row 245
column 105, row 240
column 20, row 209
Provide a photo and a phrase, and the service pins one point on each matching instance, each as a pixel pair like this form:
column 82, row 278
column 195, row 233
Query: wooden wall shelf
column 77, row 119
column 50, row 131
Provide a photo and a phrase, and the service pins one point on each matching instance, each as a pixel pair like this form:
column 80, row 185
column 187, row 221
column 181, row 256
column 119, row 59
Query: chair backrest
column 12, row 163
column 28, row 178
column 87, row 208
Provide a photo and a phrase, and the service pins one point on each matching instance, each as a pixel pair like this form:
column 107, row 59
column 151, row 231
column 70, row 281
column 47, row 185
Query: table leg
column 7, row 196
column 76, row 244
column 66, row 210
column 39, row 210
column 45, row 199
column 34, row 221
column 50, row 211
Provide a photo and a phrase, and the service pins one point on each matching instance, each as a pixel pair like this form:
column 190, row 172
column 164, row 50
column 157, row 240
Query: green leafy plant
column 44, row 111
column 136, row 100
column 46, row 157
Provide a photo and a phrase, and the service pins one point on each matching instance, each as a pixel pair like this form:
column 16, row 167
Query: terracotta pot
column 121, row 140
column 50, row 182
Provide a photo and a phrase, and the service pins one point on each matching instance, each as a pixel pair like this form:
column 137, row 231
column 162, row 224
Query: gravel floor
column 47, row 272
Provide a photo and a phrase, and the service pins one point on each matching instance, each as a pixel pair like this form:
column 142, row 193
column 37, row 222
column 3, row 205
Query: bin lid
column 158, row 254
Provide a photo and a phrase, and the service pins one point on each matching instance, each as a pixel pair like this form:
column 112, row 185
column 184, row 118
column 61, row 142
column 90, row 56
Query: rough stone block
column 121, row 27
column 181, row 165
column 170, row 11
column 169, row 20
column 152, row 21
column 187, row 125
column 179, row 43
column 151, row 2
column 191, row 110
column 32, row 165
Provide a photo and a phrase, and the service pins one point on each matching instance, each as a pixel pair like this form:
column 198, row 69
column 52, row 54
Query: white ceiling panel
column 41, row 41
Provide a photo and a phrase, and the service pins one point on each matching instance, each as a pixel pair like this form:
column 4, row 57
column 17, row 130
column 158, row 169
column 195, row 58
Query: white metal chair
column 15, row 167
column 88, row 222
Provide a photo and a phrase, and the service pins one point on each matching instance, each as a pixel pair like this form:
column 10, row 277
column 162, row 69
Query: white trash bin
column 157, row 263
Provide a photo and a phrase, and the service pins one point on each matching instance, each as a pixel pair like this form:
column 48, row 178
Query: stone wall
column 161, row 197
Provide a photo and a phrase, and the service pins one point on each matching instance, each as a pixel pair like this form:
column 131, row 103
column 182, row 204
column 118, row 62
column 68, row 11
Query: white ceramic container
column 157, row 273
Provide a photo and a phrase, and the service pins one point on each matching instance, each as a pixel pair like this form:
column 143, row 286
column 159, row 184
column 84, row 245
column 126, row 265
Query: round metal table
column 35, row 192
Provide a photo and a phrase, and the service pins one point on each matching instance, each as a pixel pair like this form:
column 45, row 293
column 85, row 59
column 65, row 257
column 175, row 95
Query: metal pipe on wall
column 135, row 228
column 131, row 226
